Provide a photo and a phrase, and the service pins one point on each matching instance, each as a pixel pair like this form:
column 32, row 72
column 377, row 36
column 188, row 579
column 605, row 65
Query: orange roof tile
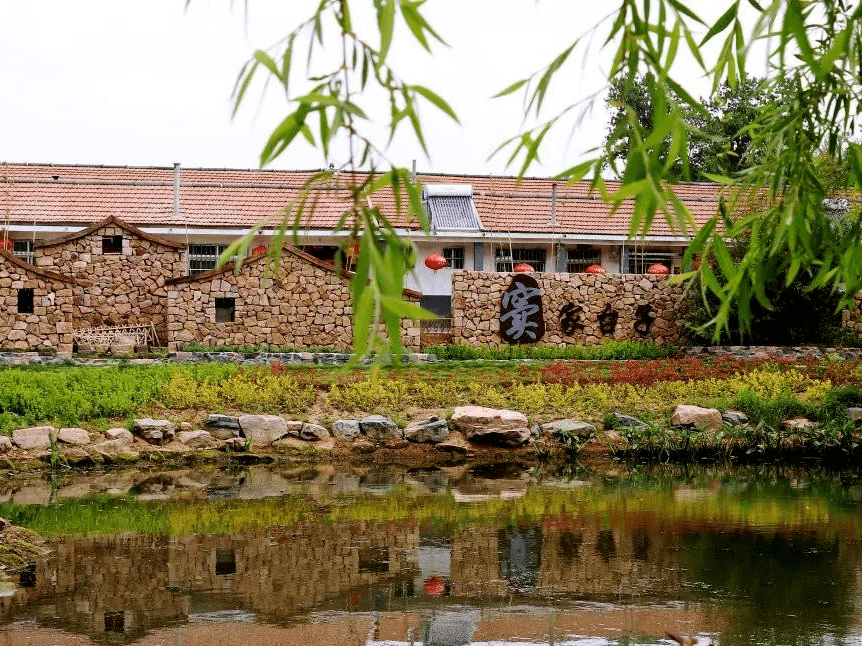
column 143, row 196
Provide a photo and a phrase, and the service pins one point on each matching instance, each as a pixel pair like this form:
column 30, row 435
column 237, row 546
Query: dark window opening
column 25, row 301
column 203, row 257
column 506, row 259
column 639, row 261
column 225, row 309
column 225, row 562
column 112, row 244
column 24, row 250
column 27, row 579
column 581, row 257
column 454, row 257
column 115, row 622
column 374, row 559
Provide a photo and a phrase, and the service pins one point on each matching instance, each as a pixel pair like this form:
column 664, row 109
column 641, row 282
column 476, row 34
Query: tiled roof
column 143, row 196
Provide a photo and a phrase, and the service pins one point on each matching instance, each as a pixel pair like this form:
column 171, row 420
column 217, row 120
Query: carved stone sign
column 521, row 316
column 570, row 318
column 608, row 319
column 644, row 316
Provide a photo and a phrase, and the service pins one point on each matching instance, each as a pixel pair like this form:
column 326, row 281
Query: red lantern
column 434, row 586
column 658, row 269
column 8, row 244
column 435, row 262
column 596, row 269
column 523, row 268
column 261, row 248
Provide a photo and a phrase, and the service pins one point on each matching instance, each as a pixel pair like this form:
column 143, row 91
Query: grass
column 610, row 350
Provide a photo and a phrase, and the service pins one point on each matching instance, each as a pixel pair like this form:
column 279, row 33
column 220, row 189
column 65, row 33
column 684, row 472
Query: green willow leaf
column 435, row 99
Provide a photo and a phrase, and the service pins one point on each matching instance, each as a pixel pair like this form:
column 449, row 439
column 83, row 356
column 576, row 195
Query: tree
column 632, row 108
column 719, row 141
column 812, row 54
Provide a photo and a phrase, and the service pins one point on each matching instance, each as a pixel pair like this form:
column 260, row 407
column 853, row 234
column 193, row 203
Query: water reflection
column 742, row 559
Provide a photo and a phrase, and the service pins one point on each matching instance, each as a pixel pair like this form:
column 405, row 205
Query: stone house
column 306, row 303
column 478, row 222
column 125, row 269
column 37, row 304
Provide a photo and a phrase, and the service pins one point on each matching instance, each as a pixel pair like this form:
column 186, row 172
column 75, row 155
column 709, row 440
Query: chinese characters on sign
column 521, row 317
column 608, row 319
column 570, row 318
column 644, row 316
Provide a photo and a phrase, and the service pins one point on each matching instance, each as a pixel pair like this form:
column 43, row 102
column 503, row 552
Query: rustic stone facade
column 577, row 309
column 305, row 304
column 37, row 307
column 125, row 268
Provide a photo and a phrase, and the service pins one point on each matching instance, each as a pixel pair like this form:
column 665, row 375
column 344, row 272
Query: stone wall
column 306, row 304
column 49, row 326
column 590, row 302
column 126, row 288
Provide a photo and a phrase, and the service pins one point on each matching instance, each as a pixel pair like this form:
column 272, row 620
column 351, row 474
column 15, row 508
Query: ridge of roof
column 111, row 219
column 34, row 269
column 218, row 271
column 433, row 174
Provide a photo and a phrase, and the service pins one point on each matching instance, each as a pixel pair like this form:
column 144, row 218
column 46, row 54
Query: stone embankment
column 466, row 432
column 241, row 358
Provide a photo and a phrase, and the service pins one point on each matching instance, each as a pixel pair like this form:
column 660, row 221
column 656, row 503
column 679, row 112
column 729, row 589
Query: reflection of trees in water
column 786, row 588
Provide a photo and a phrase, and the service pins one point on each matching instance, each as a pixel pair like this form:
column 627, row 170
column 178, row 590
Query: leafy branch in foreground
column 812, row 50
column 335, row 103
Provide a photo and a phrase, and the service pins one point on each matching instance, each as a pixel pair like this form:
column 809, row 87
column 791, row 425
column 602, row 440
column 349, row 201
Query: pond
column 492, row 554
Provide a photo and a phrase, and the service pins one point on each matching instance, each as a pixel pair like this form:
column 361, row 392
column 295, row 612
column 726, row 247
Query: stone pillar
column 562, row 259
column 478, row 256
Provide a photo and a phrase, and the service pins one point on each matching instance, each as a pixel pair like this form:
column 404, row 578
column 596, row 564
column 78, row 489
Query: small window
column 25, row 301
column 112, row 244
column 581, row 257
column 203, row 257
column 640, row 261
column 506, row 259
column 24, row 250
column 454, row 256
column 225, row 309
column 115, row 622
column 225, row 562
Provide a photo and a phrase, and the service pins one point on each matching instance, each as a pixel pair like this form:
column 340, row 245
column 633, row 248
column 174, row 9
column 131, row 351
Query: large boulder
column 455, row 444
column 262, row 429
column 110, row 449
column 122, row 434
column 499, row 427
column 433, row 430
column 222, row 427
column 196, row 439
column 627, row 421
column 346, row 429
column 154, row 431
column 734, row 418
column 380, row 429
column 35, row 437
column 77, row 436
column 563, row 427
column 697, row 417
column 313, row 433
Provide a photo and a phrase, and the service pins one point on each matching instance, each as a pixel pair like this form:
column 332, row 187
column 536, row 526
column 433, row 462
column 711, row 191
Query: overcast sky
column 135, row 82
